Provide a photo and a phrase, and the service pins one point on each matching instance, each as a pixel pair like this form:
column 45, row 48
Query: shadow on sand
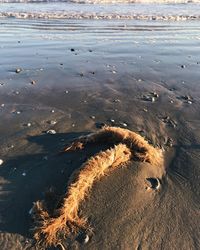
column 29, row 176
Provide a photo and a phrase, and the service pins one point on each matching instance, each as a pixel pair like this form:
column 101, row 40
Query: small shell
column 1, row 162
column 51, row 132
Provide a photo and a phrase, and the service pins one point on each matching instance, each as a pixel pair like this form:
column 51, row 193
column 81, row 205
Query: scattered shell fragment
column 28, row 124
column 51, row 132
column 30, row 211
column 153, row 183
column 1, row 162
column 18, row 70
column 33, row 82
column 124, row 124
column 53, row 122
column 117, row 100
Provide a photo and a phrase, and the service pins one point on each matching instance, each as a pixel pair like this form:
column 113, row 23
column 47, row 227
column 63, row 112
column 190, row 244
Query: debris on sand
column 153, row 183
column 1, row 162
column 18, row 70
column 51, row 132
column 150, row 97
column 169, row 121
column 33, row 82
column 51, row 227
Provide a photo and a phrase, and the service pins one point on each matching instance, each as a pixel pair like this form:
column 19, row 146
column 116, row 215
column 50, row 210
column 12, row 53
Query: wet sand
column 143, row 76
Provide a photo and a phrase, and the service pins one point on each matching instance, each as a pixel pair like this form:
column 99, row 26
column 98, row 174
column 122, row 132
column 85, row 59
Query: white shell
column 51, row 132
column 1, row 161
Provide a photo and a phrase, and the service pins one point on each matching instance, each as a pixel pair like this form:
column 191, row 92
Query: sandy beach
column 74, row 77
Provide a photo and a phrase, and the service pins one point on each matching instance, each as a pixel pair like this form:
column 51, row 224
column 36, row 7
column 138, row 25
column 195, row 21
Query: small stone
column 112, row 120
column 183, row 66
column 51, row 132
column 81, row 74
column 145, row 110
column 171, row 101
column 114, row 72
column 66, row 91
column 23, row 174
column 2, row 105
column 18, row 112
column 92, row 117
column 73, row 125
column 18, row 70
column 189, row 102
column 17, row 92
column 72, row 49
column 52, row 111
column 1, row 162
column 90, row 50
column 153, row 99
column 28, row 124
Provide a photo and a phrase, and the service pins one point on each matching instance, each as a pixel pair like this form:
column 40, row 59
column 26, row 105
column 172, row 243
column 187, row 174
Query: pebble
column 189, row 102
column 66, row 91
column 153, row 99
column 169, row 142
column 171, row 101
column 92, row 117
column 72, row 49
column 51, row 132
column 24, row 174
column 18, row 70
column 114, row 72
column 145, row 110
column 17, row 92
column 45, row 158
column 183, row 66
column 112, row 120
column 2, row 105
column 52, row 111
column 1, row 162
column 18, row 112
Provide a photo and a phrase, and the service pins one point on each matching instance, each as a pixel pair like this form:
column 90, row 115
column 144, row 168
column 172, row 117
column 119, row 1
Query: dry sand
column 146, row 79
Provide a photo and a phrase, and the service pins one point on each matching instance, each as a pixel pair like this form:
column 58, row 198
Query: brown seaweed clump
column 50, row 229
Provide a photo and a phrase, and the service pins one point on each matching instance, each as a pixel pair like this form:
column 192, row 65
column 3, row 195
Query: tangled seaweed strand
column 66, row 219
